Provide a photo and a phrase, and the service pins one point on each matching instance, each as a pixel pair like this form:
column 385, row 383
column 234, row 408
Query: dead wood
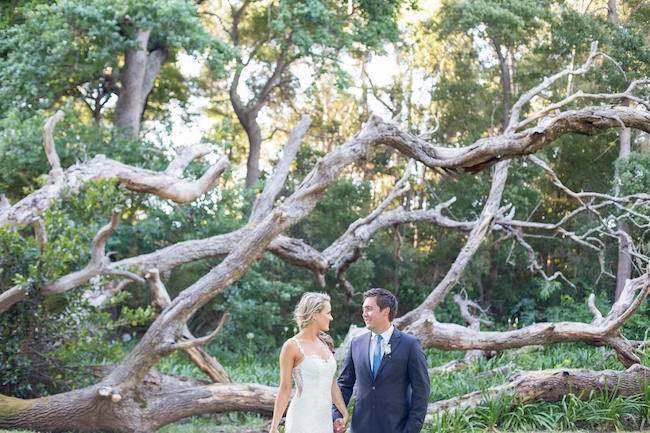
column 167, row 184
column 552, row 385
column 206, row 363
column 121, row 400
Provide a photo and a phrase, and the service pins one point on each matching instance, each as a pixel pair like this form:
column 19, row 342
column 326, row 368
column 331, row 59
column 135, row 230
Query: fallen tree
column 551, row 385
column 122, row 399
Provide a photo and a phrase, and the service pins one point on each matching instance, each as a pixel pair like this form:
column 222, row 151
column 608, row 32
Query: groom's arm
column 346, row 383
column 420, row 386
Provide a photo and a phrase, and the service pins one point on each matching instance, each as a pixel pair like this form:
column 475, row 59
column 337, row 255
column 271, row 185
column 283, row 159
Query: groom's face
column 376, row 320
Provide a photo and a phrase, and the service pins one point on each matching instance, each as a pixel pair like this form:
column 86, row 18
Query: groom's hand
column 339, row 425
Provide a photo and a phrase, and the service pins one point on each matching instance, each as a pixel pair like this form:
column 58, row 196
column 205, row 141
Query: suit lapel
column 394, row 342
column 365, row 352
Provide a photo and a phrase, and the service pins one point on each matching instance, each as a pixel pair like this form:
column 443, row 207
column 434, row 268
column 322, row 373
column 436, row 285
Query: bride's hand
column 340, row 423
column 274, row 430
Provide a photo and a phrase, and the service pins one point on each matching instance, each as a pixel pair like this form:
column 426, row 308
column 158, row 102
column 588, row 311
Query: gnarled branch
column 206, row 363
column 166, row 184
column 264, row 203
column 95, row 266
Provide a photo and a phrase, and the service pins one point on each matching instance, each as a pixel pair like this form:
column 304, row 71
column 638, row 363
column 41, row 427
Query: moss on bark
column 10, row 407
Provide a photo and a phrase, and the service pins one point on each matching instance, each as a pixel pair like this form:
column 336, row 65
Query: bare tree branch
column 196, row 342
column 340, row 273
column 4, row 203
column 11, row 297
column 474, row 239
column 449, row 336
column 580, row 95
column 636, row 9
column 264, row 202
column 95, row 266
column 185, row 156
column 48, row 140
column 528, row 96
column 205, row 362
column 166, row 184
column 551, row 386
column 40, row 233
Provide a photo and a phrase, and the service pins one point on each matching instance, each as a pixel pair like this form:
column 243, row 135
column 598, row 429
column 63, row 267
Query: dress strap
column 299, row 346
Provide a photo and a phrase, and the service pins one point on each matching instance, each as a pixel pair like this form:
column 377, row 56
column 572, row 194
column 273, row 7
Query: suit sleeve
column 420, row 386
column 346, row 383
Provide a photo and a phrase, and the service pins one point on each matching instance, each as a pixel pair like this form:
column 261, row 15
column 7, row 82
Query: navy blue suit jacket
column 396, row 400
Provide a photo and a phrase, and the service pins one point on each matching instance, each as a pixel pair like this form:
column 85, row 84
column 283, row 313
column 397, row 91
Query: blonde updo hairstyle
column 311, row 304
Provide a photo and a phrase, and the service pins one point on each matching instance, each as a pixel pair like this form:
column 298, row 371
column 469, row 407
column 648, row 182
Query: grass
column 263, row 369
column 502, row 413
column 499, row 414
column 233, row 422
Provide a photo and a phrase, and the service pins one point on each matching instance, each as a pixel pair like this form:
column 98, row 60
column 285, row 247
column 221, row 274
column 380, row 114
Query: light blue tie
column 376, row 357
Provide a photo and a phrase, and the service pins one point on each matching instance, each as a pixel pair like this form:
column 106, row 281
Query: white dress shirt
column 384, row 342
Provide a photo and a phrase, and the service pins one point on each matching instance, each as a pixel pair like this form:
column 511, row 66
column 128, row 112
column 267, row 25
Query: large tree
column 127, row 398
column 96, row 52
column 271, row 37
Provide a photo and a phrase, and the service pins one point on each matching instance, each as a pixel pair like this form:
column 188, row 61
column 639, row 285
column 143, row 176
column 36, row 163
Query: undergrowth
column 501, row 413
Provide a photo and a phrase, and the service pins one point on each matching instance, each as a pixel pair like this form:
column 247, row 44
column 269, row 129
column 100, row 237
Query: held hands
column 340, row 423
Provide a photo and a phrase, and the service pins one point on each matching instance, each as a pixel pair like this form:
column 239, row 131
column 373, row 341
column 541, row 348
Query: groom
column 390, row 370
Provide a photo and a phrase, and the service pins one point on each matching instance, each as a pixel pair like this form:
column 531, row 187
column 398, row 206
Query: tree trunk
column 161, row 400
column 128, row 110
column 253, row 163
column 613, row 14
column 624, row 271
column 552, row 385
column 505, row 82
column 123, row 401
column 155, row 59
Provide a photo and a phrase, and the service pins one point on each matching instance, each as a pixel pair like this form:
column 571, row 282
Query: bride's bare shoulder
column 291, row 346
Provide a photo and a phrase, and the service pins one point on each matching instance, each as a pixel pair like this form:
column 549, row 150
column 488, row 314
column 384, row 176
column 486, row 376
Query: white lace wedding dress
column 310, row 410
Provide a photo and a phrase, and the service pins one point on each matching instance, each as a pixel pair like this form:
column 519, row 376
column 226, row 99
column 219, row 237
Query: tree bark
column 601, row 331
column 155, row 59
column 613, row 14
column 160, row 400
column 122, row 401
column 167, row 184
column 505, row 82
column 128, row 110
column 551, row 385
column 624, row 269
column 206, row 363
column 255, row 146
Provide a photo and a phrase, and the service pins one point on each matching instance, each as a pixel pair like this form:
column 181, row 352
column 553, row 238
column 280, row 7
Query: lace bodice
column 310, row 410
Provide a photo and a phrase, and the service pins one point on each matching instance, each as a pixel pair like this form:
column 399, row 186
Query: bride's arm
column 287, row 356
column 337, row 398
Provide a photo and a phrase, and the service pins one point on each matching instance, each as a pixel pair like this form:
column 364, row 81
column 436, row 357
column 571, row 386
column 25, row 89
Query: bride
column 307, row 357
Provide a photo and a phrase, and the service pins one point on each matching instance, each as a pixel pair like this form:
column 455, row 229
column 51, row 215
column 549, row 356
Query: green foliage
column 230, row 422
column 23, row 163
column 634, row 173
column 66, row 48
column 502, row 412
column 510, row 22
column 260, row 306
column 50, row 52
column 47, row 343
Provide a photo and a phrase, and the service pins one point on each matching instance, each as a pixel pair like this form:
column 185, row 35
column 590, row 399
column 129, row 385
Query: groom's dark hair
column 384, row 299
